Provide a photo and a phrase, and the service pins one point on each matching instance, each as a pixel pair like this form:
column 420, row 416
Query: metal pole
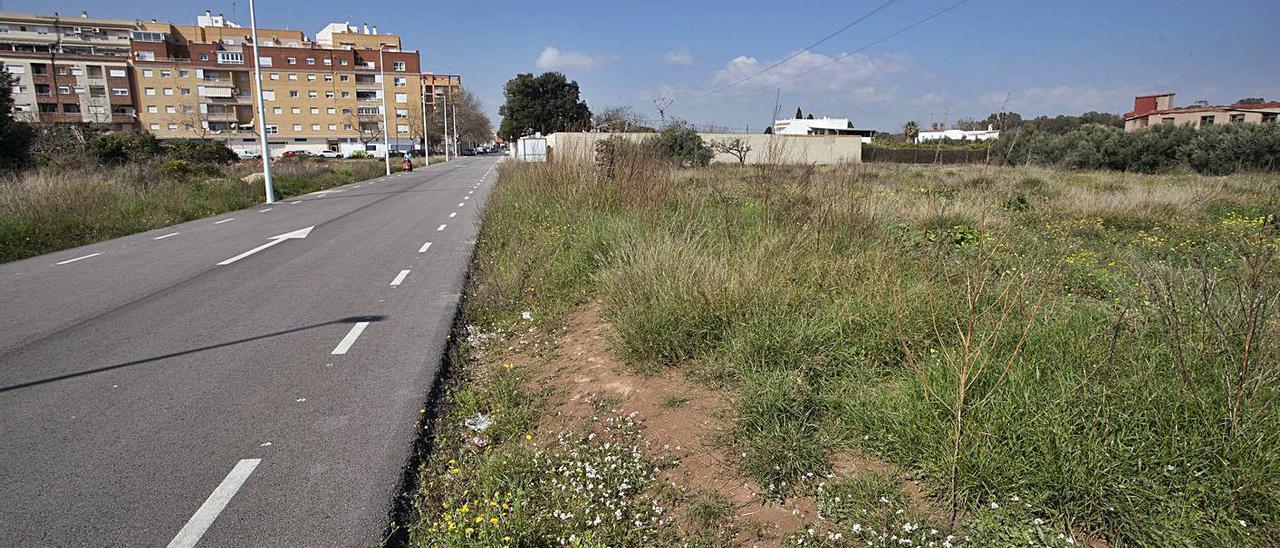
column 455, row 123
column 262, row 109
column 444, row 131
column 426, row 142
column 386, row 126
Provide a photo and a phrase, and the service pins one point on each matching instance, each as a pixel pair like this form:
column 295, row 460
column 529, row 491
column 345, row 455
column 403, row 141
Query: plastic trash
column 477, row 423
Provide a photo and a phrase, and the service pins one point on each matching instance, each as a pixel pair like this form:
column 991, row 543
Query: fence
column 764, row 149
column 873, row 153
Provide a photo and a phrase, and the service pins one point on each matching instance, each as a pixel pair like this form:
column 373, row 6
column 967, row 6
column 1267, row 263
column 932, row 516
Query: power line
column 809, row 47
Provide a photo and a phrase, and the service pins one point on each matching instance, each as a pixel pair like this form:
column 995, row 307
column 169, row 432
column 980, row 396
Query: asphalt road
column 151, row 396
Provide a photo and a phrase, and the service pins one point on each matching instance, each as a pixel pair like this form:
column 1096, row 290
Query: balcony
column 216, row 91
column 222, row 116
column 242, row 98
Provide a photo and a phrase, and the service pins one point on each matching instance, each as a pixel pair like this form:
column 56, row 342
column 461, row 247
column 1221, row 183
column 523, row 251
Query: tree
column 681, row 144
column 546, row 104
column 735, row 147
column 15, row 136
column 1251, row 101
column 473, row 125
column 799, row 114
column 368, row 127
column 617, row 119
column 189, row 117
column 911, row 130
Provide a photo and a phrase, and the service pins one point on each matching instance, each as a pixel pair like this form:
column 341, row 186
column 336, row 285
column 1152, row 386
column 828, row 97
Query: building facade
column 940, row 133
column 69, row 69
column 197, row 81
column 821, row 126
column 1158, row 109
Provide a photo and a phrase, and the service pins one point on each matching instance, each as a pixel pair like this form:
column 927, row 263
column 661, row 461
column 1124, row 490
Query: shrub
column 359, row 154
column 1215, row 150
column 682, row 145
column 200, row 152
column 119, row 148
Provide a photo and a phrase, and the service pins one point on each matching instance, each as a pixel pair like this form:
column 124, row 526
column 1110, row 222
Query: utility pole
column 426, row 141
column 444, row 130
column 386, row 126
column 455, row 124
column 262, row 109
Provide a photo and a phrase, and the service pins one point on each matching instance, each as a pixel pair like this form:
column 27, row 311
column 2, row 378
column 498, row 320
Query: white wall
column 765, row 149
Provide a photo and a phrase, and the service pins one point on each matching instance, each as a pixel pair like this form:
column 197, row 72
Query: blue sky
column 1041, row 56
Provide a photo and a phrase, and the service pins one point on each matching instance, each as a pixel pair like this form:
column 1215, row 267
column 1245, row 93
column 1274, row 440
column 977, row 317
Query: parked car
column 330, row 154
column 468, row 152
column 296, row 154
column 245, row 154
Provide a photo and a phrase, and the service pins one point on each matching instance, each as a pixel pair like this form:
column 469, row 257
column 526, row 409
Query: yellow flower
column 528, row 436
column 493, row 521
column 479, row 519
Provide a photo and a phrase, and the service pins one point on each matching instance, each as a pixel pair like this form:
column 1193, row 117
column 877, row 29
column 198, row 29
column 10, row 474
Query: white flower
column 1244, row 523
column 1038, row 521
column 994, row 505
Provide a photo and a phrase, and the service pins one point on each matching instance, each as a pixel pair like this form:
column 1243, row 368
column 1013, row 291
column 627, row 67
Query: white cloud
column 682, row 58
column 856, row 74
column 1062, row 99
column 552, row 58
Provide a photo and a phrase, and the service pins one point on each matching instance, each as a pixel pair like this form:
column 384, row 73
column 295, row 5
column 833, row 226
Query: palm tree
column 911, row 130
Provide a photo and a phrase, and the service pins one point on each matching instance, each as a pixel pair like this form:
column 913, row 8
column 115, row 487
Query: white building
column 820, row 126
column 960, row 135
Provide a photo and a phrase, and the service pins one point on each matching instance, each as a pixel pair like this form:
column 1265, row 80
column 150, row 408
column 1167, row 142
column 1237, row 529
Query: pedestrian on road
column 408, row 162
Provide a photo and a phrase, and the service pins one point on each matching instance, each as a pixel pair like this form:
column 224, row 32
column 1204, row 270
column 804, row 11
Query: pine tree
column 799, row 115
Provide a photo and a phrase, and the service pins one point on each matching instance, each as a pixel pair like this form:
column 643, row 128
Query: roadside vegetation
column 942, row 355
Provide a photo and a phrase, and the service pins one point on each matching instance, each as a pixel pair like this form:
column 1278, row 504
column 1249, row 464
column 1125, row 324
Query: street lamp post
column 455, row 122
column 444, row 130
column 262, row 109
column 386, row 125
column 426, row 144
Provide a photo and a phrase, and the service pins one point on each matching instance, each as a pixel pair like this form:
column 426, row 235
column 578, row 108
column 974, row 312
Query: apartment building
column 1150, row 110
column 69, row 69
column 197, row 82
column 436, row 86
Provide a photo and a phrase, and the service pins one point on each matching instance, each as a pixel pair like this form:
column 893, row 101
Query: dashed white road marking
column 454, row 214
column 460, row 204
column 350, row 339
column 227, row 220
column 441, row 228
column 190, row 533
column 169, row 235
column 295, row 202
column 96, row 254
column 424, row 247
column 265, row 210
column 399, row 279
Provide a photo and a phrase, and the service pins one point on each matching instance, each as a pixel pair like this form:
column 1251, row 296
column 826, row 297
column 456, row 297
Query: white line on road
column 441, row 228
column 454, row 214
column 460, row 204
column 224, row 221
column 265, row 210
column 350, row 339
column 169, row 235
column 96, row 254
column 424, row 247
column 297, row 202
column 399, row 279
column 190, row 533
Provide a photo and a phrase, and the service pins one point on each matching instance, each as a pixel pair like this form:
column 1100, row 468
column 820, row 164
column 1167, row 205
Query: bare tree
column 473, row 125
column 367, row 129
column 735, row 147
column 190, row 118
column 617, row 119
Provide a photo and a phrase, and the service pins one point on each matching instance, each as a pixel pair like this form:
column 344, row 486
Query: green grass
column 49, row 209
column 825, row 302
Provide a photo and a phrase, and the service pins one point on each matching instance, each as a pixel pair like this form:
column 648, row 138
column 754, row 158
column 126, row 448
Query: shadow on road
column 351, row 319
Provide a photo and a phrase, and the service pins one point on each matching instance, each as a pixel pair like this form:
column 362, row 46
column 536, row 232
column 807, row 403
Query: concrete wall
column 778, row 149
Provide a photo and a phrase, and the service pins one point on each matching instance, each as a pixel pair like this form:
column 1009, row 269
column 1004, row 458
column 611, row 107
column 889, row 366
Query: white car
column 330, row 154
column 245, row 154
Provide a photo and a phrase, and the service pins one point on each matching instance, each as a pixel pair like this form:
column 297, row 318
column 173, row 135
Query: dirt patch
column 680, row 419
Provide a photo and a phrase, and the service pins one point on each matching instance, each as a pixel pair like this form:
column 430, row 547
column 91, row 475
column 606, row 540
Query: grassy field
column 1053, row 357
column 48, row 209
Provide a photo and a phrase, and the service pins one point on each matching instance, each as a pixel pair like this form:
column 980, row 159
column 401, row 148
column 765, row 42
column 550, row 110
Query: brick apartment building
column 197, row 81
column 1151, row 110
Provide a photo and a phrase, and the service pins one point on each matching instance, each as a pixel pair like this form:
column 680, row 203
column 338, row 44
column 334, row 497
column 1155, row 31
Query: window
column 4, row 28
column 154, row 127
column 170, row 109
column 271, row 129
column 333, row 127
column 71, row 108
column 311, row 77
column 297, row 127
column 293, row 93
column 400, row 81
column 1206, row 121
column 291, row 60
column 77, row 71
column 1237, row 118
column 328, row 77
column 17, row 69
column 313, row 94
column 19, row 89
column 97, row 91
column 153, row 109
column 343, row 62
column 183, row 74
column 346, row 127
column 311, row 60
column 42, row 31
column 402, row 113
column 346, row 94
column 151, row 56
column 202, row 56
column 332, row 110
column 42, row 89
column 148, row 73
column 64, row 90
column 295, row 110
column 277, row 110
column 398, row 66
column 402, row 98
column 116, row 73
column 328, row 62
column 120, row 91
column 328, row 95
column 274, row 76
column 264, row 61
column 166, row 74
column 143, row 36
column 343, row 78
column 184, row 91
column 315, row 127
column 168, row 91
column 402, row 128
column 1166, row 120
column 293, row 77
column 269, row 94
column 230, row 58
column 1269, row 117
column 62, row 71
column 315, row 110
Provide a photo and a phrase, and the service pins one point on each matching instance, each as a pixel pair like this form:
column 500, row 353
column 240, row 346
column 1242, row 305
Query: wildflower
column 994, row 505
